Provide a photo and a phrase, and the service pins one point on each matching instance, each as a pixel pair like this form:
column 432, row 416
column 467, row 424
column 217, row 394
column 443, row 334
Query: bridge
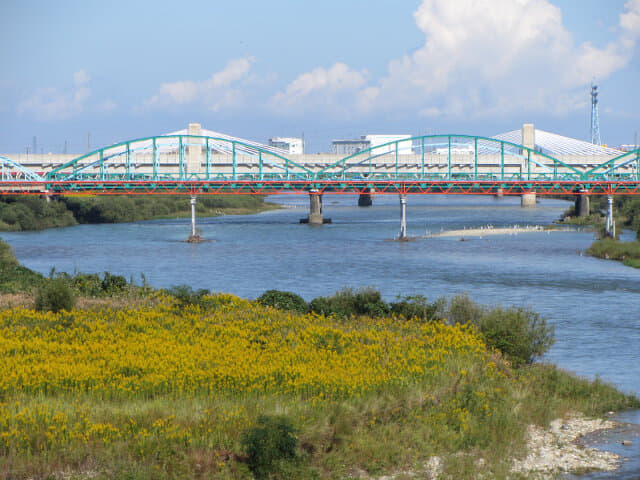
column 194, row 164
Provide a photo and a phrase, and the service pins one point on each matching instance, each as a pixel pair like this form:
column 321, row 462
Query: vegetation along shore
column 627, row 215
column 103, row 378
column 19, row 213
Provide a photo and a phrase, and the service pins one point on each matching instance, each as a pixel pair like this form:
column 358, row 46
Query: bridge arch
column 621, row 168
column 11, row 171
column 448, row 157
column 179, row 157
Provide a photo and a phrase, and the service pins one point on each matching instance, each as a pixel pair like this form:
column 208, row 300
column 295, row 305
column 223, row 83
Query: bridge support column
column 528, row 200
column 610, row 228
column 366, row 199
column 403, row 217
column 582, row 204
column 194, row 237
column 315, row 208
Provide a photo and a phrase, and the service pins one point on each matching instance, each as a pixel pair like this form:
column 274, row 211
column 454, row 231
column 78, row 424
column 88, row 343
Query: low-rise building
column 351, row 147
column 292, row 145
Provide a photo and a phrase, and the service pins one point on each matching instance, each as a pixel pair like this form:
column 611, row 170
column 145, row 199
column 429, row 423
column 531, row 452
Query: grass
column 162, row 392
column 34, row 213
column 611, row 249
column 137, row 384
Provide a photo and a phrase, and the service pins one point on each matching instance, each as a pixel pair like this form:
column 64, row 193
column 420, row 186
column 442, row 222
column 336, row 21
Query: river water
column 593, row 304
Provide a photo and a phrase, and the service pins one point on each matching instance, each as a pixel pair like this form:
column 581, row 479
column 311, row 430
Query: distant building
column 455, row 150
column 292, row 145
column 377, row 140
column 351, row 147
column 627, row 148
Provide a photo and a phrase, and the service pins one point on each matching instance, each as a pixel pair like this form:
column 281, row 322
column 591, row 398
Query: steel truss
column 227, row 187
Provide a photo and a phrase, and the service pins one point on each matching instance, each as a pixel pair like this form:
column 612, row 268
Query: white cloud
column 52, row 103
column 479, row 58
column 630, row 23
column 106, row 106
column 224, row 89
column 322, row 89
column 496, row 56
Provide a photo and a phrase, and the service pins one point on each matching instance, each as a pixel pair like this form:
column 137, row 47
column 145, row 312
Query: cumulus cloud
column 630, row 23
column 320, row 88
column 479, row 57
column 52, row 103
column 224, row 89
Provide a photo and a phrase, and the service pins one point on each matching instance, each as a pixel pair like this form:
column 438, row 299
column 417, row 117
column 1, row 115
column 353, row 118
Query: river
column 593, row 304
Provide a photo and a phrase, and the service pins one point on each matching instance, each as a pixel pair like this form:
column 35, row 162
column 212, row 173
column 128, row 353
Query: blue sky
column 119, row 70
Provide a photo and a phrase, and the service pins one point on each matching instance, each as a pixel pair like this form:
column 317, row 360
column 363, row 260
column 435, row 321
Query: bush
column 283, row 301
column 113, row 283
column 55, row 296
column 520, row 334
column 414, row 306
column 347, row 302
column 270, row 444
column 186, row 296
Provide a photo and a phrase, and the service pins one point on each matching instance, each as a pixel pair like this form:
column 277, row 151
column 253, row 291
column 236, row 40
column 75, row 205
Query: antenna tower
column 595, row 120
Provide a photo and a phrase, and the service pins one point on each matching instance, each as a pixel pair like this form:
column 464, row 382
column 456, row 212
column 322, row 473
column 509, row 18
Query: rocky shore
column 551, row 451
column 557, row 449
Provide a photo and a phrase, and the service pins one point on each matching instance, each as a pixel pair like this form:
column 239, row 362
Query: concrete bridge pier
column 610, row 228
column 193, row 237
column 582, row 208
column 315, row 208
column 403, row 217
column 365, row 199
column 528, row 200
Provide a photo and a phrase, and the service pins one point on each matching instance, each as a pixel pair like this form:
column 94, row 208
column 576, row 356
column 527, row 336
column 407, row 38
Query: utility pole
column 89, row 142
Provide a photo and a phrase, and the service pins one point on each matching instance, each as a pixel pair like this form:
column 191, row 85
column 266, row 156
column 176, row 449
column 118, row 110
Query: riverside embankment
column 591, row 302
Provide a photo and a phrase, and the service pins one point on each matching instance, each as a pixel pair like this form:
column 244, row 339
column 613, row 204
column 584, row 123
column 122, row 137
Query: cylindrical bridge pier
column 610, row 228
column 403, row 217
column 193, row 237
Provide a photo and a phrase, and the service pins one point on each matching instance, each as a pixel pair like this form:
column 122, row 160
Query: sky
column 89, row 73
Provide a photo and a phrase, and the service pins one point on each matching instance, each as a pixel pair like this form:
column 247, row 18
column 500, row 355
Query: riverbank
column 20, row 213
column 365, row 397
column 627, row 215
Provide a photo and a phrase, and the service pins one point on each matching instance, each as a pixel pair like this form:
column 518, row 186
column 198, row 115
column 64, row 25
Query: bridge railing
column 180, row 157
column 443, row 157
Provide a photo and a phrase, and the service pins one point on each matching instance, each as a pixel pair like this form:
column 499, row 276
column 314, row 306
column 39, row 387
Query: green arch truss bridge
column 433, row 164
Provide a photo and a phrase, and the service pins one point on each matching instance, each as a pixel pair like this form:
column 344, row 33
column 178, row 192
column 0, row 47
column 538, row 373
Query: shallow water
column 592, row 303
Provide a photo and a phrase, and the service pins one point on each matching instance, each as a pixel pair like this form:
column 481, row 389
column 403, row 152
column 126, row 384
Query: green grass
column 393, row 430
column 19, row 213
column 14, row 277
column 611, row 249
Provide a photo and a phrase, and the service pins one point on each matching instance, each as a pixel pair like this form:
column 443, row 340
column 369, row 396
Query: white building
column 351, row 147
column 377, row 140
column 292, row 145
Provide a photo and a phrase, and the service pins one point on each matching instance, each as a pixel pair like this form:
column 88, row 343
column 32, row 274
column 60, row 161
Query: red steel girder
column 381, row 187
